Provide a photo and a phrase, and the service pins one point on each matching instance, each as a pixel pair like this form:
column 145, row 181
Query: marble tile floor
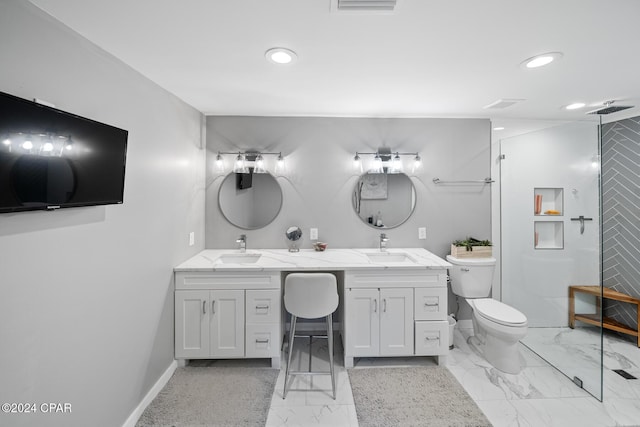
column 539, row 396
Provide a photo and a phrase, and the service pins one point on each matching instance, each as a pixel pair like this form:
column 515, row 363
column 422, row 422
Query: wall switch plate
column 422, row 233
column 313, row 233
column 192, row 238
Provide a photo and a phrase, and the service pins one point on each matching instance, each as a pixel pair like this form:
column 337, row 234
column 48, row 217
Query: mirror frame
column 385, row 227
column 232, row 176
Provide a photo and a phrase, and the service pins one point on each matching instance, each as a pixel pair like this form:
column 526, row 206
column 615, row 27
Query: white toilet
column 497, row 326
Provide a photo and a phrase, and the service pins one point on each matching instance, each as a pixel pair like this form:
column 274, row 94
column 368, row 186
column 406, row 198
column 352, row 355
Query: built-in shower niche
column 548, row 235
column 548, row 201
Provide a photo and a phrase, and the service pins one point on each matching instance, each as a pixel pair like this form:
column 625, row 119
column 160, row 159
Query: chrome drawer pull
column 431, row 338
column 464, row 269
column 204, row 307
column 428, row 304
column 213, row 307
column 262, row 341
column 375, row 302
column 262, row 307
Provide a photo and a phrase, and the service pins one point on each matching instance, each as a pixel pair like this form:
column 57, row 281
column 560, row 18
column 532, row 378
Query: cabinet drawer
column 263, row 340
column 263, row 306
column 432, row 338
column 430, row 304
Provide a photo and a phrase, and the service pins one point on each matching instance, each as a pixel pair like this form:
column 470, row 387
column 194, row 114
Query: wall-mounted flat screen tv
column 52, row 159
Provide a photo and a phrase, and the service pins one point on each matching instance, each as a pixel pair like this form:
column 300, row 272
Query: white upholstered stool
column 310, row 296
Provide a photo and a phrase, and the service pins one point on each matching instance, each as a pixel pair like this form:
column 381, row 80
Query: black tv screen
column 52, row 159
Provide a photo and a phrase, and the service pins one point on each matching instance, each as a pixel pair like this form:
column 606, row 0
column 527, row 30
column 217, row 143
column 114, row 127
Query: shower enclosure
column 551, row 240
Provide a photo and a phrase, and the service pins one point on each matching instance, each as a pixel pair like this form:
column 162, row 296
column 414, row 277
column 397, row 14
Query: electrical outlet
column 422, row 233
column 192, row 238
column 313, row 233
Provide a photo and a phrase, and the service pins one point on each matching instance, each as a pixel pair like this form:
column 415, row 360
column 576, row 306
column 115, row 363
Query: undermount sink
column 385, row 257
column 239, row 258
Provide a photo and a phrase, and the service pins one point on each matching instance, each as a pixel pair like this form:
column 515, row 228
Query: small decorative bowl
column 320, row 246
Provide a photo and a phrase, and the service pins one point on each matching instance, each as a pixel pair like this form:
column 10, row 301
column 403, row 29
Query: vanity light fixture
column 248, row 162
column 385, row 161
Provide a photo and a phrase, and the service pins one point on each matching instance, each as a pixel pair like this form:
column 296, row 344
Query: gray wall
column 621, row 210
column 86, row 312
column 320, row 179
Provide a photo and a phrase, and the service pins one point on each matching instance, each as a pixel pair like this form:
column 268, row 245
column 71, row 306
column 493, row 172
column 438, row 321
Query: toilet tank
column 471, row 277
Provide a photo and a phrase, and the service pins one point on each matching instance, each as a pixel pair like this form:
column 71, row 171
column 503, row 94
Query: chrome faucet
column 242, row 240
column 383, row 242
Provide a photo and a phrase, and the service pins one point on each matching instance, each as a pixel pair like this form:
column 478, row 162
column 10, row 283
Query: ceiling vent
column 364, row 5
column 502, row 103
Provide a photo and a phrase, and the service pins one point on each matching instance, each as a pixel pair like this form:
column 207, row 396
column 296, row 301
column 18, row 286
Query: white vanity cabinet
column 395, row 313
column 209, row 324
column 227, row 315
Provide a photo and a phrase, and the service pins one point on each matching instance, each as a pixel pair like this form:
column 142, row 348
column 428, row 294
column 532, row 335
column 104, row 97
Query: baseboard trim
column 157, row 387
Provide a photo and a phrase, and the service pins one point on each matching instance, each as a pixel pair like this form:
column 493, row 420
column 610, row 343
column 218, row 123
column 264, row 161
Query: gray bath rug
column 213, row 396
column 417, row 396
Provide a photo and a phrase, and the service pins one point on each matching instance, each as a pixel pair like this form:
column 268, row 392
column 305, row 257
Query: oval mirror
column 250, row 201
column 384, row 200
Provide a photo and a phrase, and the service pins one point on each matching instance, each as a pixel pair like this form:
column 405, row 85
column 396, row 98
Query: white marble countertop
column 309, row 259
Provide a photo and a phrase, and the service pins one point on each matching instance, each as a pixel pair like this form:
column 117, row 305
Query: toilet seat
column 498, row 312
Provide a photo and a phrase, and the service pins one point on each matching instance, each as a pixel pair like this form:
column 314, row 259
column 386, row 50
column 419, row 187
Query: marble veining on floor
column 539, row 396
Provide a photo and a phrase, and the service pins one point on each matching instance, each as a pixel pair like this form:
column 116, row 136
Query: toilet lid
column 499, row 312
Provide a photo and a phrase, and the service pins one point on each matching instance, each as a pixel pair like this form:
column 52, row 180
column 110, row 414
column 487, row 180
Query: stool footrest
column 308, row 373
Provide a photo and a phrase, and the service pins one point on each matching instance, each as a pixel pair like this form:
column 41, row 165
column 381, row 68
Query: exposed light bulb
column 27, row 145
column 357, row 163
column 377, row 165
column 238, row 167
column 259, row 167
column 219, row 163
column 47, row 146
column 417, row 163
column 6, row 141
column 280, row 166
column 396, row 164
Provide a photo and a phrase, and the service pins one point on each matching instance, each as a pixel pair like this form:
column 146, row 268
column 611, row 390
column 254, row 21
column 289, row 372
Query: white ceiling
column 428, row 58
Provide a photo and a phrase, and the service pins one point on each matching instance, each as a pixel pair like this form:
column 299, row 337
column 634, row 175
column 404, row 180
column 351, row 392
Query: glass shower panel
column 550, row 198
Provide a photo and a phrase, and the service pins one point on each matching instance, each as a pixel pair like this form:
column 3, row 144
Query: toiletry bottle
column 379, row 220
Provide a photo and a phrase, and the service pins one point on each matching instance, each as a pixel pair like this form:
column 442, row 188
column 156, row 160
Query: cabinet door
column 227, row 323
column 192, row 324
column 396, row 322
column 362, row 322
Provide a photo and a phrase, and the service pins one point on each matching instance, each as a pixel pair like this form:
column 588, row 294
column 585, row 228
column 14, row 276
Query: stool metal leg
column 292, row 334
column 330, row 340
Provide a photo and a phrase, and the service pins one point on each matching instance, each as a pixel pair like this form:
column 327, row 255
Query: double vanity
column 228, row 304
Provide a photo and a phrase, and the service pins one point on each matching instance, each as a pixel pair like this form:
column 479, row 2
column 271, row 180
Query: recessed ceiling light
column 575, row 106
column 498, row 128
column 280, row 55
column 541, row 60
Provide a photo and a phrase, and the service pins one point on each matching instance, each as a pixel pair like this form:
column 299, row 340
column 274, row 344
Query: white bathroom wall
column 320, row 179
column 86, row 306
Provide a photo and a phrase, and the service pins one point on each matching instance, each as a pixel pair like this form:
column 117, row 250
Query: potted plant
column 471, row 248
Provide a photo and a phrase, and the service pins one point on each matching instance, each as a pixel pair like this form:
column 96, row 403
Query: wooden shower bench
column 594, row 319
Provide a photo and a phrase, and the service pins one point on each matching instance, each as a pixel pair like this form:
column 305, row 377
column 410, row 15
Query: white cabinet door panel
column 192, row 324
column 363, row 323
column 396, row 322
column 227, row 323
